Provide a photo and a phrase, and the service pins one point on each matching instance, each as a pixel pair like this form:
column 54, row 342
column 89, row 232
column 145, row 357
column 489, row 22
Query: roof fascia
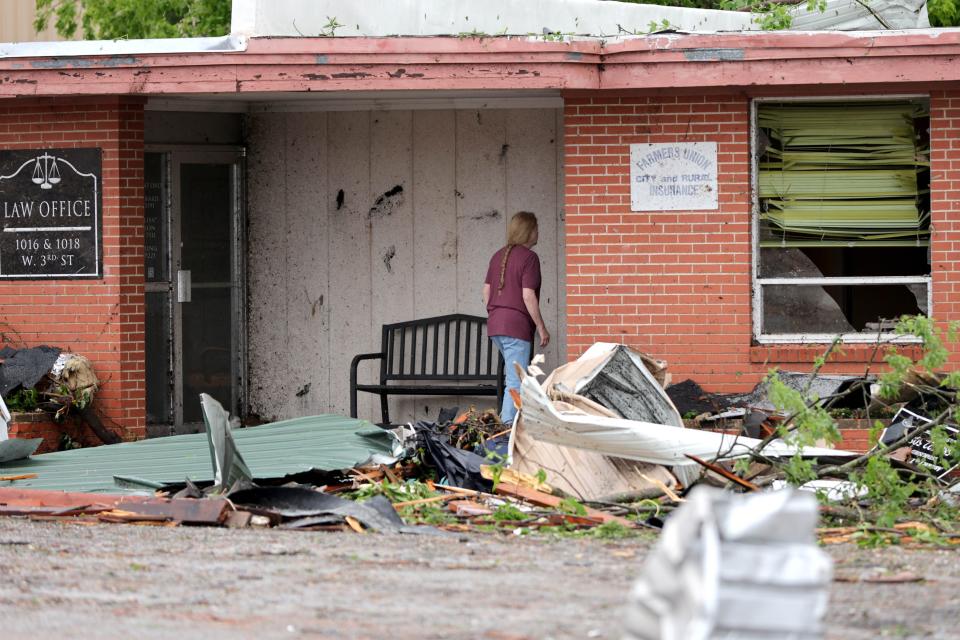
column 723, row 60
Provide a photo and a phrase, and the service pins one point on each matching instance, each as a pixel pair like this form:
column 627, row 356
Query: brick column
column 100, row 319
column 945, row 206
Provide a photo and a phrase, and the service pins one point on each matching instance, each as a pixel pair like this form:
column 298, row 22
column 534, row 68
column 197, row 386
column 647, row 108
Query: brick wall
column 101, row 319
column 40, row 424
column 945, row 205
column 677, row 284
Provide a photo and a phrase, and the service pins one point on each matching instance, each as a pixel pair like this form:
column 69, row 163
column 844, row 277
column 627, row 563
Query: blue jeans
column 512, row 350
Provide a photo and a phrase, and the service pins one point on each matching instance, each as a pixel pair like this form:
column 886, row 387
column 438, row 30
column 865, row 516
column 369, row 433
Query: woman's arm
column 533, row 308
column 486, row 294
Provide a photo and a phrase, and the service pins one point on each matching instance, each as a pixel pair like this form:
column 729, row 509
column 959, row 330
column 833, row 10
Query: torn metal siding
column 644, row 441
column 272, row 451
column 857, row 15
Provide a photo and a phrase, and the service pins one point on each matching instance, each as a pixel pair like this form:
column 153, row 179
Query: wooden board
column 266, row 273
column 308, row 293
column 435, row 230
column 348, row 139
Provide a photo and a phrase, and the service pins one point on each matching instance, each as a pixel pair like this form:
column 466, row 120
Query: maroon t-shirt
column 507, row 314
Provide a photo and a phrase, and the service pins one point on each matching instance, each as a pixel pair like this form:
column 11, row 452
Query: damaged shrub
column 887, row 491
column 23, row 401
column 881, row 490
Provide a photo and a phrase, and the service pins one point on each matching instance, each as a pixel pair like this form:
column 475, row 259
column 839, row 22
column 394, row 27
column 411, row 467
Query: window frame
column 757, row 283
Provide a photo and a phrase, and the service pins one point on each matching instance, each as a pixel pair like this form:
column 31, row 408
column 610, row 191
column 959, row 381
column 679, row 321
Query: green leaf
column 944, row 13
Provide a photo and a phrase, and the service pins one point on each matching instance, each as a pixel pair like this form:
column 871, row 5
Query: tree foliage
column 944, row 13
column 124, row 19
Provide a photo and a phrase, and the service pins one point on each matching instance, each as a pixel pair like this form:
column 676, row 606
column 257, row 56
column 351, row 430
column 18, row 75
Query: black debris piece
column 454, row 466
column 690, row 397
column 823, row 386
column 25, row 367
column 849, row 392
column 299, row 502
column 447, row 415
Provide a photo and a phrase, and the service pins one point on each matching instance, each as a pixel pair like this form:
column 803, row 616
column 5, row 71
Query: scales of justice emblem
column 45, row 171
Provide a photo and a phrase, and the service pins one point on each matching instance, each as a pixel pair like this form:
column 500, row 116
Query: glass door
column 194, row 270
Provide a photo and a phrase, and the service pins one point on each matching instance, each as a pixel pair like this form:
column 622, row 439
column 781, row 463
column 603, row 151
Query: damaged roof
column 274, row 450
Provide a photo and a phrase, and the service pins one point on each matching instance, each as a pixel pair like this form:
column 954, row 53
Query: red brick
column 678, row 284
column 100, row 319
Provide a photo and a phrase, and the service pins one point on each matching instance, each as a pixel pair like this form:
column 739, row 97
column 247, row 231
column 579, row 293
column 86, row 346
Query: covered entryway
column 194, row 271
column 342, row 216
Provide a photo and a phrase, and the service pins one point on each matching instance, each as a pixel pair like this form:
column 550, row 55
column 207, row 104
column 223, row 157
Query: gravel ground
column 63, row 580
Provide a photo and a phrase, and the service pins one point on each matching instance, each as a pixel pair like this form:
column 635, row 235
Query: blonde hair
column 522, row 226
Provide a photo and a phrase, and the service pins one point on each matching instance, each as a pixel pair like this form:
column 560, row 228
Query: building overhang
column 304, row 68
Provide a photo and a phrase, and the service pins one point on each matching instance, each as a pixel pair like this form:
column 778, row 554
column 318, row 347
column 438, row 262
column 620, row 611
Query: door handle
column 183, row 285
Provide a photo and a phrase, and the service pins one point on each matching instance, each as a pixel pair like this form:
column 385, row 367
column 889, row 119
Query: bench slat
column 446, row 347
column 478, row 351
column 425, row 350
column 480, row 390
column 456, row 349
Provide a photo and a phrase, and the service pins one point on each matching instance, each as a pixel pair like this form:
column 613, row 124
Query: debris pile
column 323, row 473
column 57, row 382
column 599, row 445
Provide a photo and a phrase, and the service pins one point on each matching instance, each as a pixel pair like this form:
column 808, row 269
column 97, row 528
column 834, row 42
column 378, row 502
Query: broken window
column 842, row 217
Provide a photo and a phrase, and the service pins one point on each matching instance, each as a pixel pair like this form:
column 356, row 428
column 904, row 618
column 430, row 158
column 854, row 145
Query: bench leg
column 384, row 409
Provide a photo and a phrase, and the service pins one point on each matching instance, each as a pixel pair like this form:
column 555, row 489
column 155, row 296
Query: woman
column 511, row 293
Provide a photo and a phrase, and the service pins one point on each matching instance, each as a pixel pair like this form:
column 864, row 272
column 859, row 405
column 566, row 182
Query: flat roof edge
column 81, row 48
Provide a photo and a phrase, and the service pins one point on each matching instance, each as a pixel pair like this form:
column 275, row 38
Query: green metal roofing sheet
column 273, row 450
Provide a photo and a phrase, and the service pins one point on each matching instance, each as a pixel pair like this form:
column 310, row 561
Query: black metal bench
column 443, row 356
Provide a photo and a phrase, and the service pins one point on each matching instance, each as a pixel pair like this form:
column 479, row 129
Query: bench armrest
column 364, row 356
column 353, row 377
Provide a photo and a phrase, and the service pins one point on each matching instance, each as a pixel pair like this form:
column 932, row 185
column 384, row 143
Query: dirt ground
column 60, row 580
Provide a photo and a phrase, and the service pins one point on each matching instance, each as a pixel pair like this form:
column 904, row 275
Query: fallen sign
column 922, row 450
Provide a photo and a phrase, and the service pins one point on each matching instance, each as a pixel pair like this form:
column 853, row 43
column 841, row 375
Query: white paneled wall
column 362, row 218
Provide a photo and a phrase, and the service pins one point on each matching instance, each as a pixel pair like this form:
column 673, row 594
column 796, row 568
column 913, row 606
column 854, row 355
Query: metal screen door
column 194, row 285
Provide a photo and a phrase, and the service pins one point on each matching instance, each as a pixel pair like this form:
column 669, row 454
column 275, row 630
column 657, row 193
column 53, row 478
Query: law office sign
column 50, row 214
column 673, row 176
